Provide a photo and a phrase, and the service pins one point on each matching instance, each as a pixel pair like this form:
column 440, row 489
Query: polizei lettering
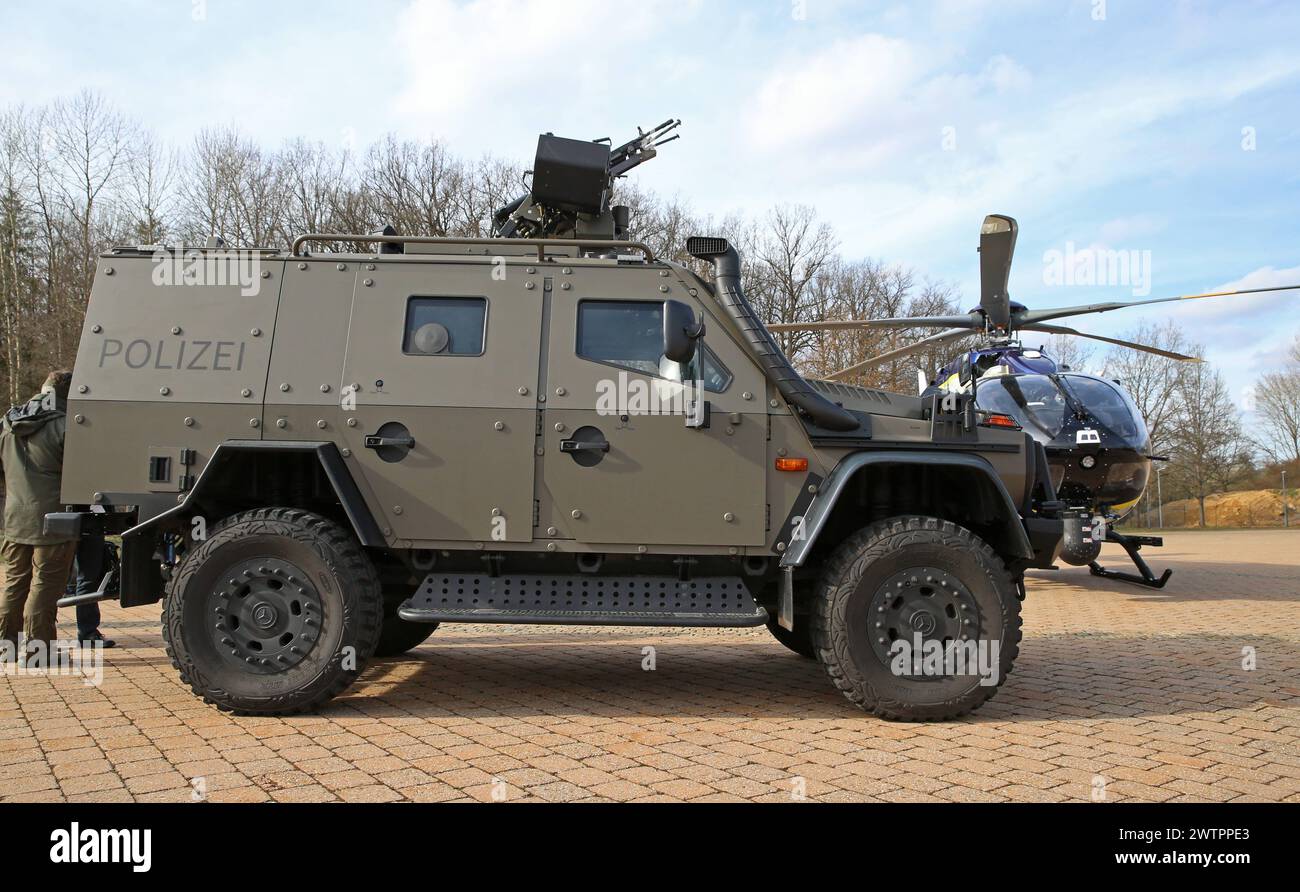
column 181, row 355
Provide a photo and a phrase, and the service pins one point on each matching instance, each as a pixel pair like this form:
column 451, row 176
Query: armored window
column 629, row 334
column 445, row 326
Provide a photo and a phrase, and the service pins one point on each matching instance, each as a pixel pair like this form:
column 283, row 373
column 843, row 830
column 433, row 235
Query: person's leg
column 13, row 597
column 88, row 621
column 49, row 574
column 90, row 572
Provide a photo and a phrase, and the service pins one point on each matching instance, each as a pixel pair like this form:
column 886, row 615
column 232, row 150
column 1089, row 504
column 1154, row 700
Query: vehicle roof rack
column 541, row 244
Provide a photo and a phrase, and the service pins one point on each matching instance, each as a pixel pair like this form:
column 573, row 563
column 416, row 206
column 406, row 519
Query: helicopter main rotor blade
column 971, row 321
column 925, row 343
column 1145, row 348
column 997, row 246
column 1022, row 320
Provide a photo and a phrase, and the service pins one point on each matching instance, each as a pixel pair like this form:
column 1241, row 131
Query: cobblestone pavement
column 1120, row 693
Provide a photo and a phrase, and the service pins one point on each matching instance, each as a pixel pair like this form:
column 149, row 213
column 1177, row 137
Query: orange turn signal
column 792, row 464
column 994, row 420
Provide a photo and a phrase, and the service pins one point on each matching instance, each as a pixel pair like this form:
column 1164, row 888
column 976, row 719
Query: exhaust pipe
column 791, row 385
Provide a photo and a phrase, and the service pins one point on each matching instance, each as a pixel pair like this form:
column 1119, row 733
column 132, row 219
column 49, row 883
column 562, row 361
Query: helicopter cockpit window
column 445, row 326
column 1033, row 400
column 1110, row 407
column 629, row 335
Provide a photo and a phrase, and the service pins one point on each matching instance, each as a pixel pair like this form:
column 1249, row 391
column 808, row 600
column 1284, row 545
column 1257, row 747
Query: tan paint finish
column 470, row 475
column 108, row 449
column 661, row 483
column 487, row 428
column 174, row 343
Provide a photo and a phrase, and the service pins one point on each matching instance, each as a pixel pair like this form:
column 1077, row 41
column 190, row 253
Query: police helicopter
column 1096, row 440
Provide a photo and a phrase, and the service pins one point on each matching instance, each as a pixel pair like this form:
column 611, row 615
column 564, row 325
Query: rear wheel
column 397, row 635
column 274, row 613
column 916, row 619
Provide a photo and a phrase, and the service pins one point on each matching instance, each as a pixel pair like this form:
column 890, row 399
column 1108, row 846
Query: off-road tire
column 339, row 578
column 800, row 640
column 862, row 568
column 397, row 635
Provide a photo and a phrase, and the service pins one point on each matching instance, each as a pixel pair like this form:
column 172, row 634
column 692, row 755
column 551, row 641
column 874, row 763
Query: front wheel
column 274, row 613
column 916, row 619
column 800, row 640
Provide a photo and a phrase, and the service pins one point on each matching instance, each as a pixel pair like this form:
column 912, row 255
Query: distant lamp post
column 1286, row 515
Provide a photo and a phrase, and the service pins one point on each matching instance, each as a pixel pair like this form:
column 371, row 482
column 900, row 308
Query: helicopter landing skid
column 1131, row 545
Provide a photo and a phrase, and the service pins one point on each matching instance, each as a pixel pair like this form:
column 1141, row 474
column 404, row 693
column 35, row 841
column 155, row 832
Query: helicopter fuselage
column 1096, row 439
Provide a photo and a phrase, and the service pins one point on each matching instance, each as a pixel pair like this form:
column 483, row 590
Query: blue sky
column 1161, row 127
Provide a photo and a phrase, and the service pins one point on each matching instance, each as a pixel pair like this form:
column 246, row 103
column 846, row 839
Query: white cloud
column 1034, row 155
column 853, row 82
column 506, row 66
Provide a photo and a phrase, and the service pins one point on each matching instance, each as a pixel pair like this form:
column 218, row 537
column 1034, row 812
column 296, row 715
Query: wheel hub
column 267, row 615
column 264, row 615
column 921, row 601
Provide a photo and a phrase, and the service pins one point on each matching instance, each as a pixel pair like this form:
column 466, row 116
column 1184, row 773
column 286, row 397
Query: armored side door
column 439, row 398
column 621, row 464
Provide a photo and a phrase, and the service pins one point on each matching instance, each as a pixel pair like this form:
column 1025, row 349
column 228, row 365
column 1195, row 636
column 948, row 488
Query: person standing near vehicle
column 36, row 563
column 88, row 572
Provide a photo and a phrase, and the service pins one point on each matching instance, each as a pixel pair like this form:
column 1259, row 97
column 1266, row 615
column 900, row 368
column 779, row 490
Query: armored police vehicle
column 318, row 455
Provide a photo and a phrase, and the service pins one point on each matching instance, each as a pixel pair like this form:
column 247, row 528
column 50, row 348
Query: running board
column 583, row 600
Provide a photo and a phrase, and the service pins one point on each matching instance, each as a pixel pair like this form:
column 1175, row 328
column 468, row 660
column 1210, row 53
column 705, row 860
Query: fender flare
column 828, row 494
column 140, row 573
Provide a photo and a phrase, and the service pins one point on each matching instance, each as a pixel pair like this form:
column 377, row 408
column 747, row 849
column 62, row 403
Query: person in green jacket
column 36, row 564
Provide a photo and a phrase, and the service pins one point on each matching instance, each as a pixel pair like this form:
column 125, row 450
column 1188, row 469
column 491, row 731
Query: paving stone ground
column 1120, row 693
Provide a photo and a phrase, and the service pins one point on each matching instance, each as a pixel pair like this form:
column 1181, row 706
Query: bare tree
column 664, row 225
column 17, row 235
column 148, row 195
column 93, row 145
column 232, row 189
column 410, row 185
column 1277, row 405
column 480, row 190
column 792, row 249
column 1074, row 354
column 1209, row 451
column 1153, row 381
column 871, row 289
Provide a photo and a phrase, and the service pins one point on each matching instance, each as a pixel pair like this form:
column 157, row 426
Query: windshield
column 1033, row 400
column 1110, row 406
column 1044, row 409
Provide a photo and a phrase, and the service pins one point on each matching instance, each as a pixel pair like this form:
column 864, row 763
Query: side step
column 583, row 600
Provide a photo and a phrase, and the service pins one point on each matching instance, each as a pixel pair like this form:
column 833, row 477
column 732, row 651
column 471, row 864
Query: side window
column 629, row 334
column 445, row 326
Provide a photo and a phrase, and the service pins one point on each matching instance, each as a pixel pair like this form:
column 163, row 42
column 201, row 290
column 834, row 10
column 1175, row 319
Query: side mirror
column 681, row 331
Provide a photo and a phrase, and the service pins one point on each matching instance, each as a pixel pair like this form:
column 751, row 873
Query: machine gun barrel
column 642, row 149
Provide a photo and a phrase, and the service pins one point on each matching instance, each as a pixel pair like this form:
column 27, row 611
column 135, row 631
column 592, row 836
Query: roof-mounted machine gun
column 572, row 185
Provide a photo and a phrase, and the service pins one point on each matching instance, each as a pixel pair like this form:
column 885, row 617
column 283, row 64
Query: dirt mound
column 1248, row 508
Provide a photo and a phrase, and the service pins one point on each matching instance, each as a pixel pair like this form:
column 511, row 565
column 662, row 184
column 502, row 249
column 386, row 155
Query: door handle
column 374, row 441
column 584, row 445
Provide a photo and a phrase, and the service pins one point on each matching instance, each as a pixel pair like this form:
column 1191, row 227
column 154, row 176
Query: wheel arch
column 869, row 486
column 313, row 476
